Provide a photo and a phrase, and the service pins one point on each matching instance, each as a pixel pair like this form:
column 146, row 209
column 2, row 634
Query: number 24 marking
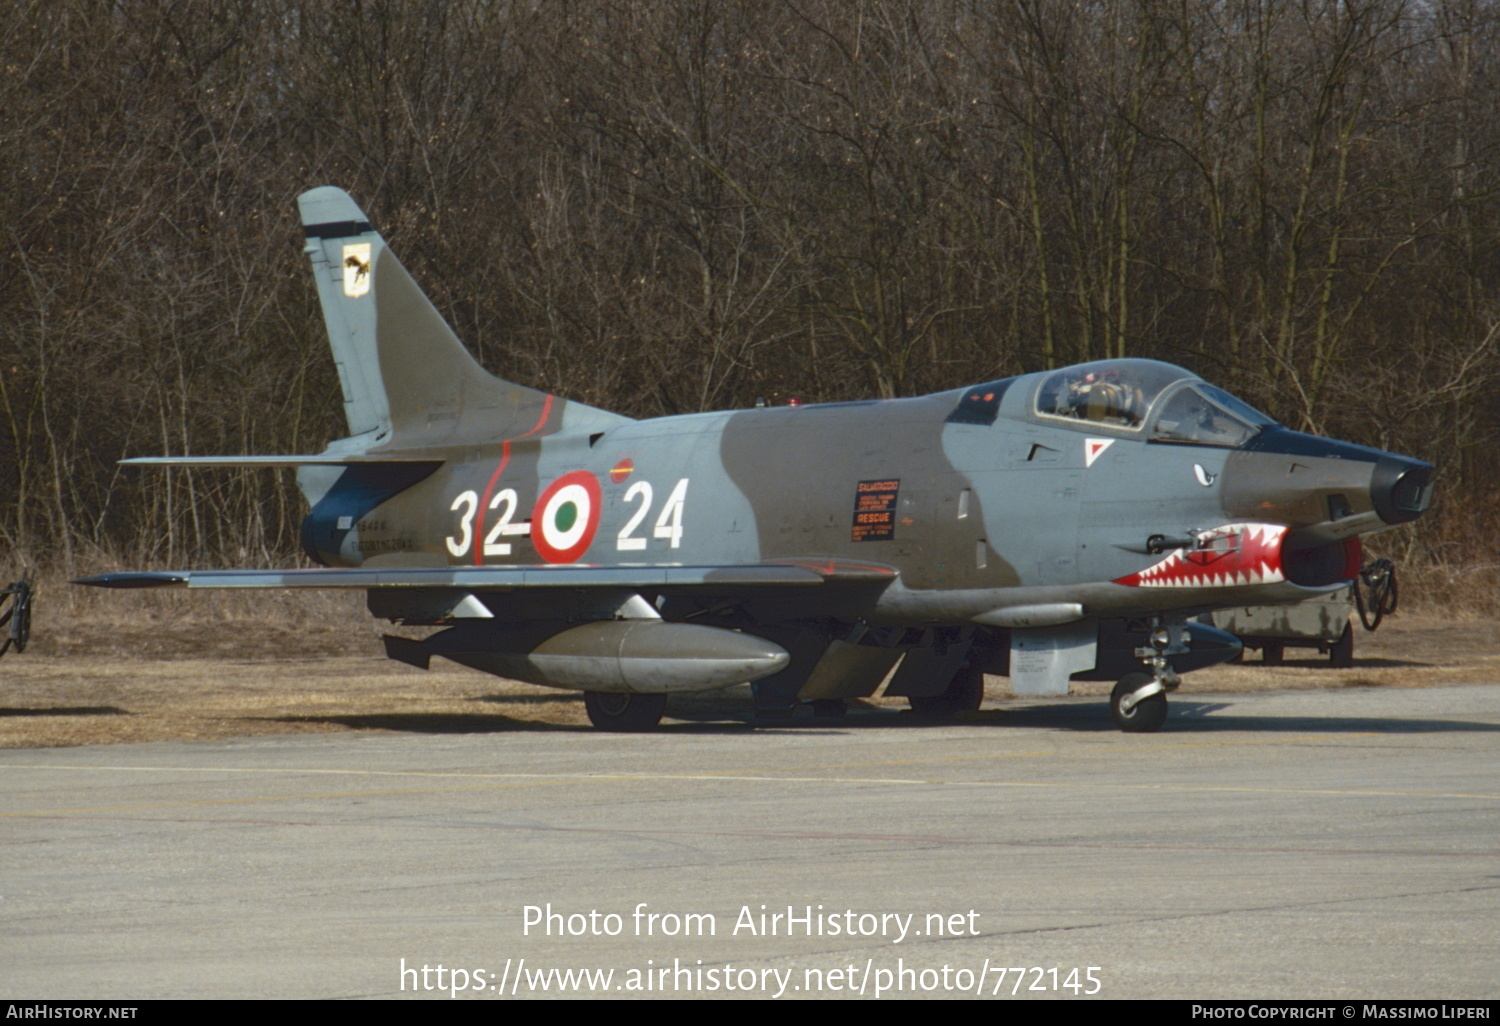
column 668, row 523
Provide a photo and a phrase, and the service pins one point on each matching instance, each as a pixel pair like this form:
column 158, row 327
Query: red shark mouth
column 1232, row 556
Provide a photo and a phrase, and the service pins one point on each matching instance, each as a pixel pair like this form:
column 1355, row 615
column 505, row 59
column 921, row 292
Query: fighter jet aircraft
column 1060, row 525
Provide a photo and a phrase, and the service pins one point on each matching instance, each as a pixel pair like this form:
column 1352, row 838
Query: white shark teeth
column 1255, row 559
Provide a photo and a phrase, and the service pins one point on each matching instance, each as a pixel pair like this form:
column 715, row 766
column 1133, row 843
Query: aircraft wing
column 511, row 578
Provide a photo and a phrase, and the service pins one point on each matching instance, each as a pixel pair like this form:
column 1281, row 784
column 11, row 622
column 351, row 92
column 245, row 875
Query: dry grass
column 1464, row 591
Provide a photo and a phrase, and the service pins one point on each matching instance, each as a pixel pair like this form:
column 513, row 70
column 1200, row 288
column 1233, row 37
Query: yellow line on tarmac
column 459, row 774
column 1072, row 753
column 538, row 780
column 274, row 798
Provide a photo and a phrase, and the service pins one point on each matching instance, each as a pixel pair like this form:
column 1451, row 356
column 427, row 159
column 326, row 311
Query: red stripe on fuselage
column 489, row 489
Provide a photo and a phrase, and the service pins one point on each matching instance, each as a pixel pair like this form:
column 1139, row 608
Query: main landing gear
column 963, row 694
column 626, row 713
column 1138, row 702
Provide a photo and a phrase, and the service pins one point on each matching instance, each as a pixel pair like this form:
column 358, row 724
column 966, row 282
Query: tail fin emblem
column 356, row 269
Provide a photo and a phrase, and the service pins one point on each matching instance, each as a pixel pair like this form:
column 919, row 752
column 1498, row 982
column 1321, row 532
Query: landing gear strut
column 1138, row 702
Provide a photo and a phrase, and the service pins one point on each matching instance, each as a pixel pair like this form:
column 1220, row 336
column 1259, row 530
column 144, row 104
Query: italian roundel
column 566, row 517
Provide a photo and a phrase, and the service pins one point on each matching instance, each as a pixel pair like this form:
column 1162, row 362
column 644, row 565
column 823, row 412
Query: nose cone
column 1401, row 489
column 1339, row 488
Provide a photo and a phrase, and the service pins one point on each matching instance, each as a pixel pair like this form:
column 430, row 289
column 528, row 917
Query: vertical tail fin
column 408, row 381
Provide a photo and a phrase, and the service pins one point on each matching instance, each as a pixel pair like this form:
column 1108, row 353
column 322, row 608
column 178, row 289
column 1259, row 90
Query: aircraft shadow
column 697, row 719
column 1322, row 663
column 430, row 723
column 490, row 723
column 572, row 697
column 1186, row 717
column 1189, row 717
column 68, row 710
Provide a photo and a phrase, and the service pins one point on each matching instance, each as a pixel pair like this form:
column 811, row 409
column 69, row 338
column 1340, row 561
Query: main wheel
column 609, row 710
column 963, row 694
column 1341, row 652
column 1272, row 653
column 1147, row 715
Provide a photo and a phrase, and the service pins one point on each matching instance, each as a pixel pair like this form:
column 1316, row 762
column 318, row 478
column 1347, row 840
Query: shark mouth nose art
column 1226, row 557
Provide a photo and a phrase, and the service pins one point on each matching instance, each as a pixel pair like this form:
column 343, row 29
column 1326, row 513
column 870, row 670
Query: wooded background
column 660, row 207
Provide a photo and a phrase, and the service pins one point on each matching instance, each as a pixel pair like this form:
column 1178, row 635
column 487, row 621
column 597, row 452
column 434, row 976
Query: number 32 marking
column 469, row 503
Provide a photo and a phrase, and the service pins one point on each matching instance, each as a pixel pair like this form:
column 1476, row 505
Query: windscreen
column 1200, row 414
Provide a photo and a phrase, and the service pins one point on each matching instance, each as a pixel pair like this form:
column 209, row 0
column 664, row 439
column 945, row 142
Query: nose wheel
column 1138, row 704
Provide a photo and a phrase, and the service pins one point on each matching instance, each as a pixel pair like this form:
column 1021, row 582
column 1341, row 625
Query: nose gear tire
column 1146, row 716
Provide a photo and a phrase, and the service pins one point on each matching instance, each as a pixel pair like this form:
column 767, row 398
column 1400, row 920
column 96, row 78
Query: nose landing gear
column 1138, row 702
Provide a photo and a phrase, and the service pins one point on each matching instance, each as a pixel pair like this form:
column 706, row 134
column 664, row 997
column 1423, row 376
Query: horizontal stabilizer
column 322, row 459
column 508, row 578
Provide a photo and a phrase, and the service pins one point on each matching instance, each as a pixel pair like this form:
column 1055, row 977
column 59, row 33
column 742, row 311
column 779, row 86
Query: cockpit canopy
column 1167, row 402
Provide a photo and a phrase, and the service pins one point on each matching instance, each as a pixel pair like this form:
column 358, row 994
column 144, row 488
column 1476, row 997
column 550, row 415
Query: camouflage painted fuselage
column 969, row 512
